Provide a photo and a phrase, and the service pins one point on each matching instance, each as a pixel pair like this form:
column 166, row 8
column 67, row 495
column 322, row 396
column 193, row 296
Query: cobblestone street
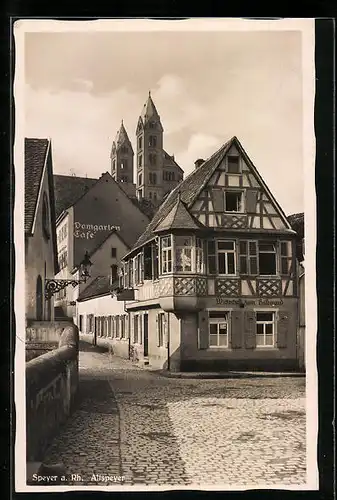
column 154, row 430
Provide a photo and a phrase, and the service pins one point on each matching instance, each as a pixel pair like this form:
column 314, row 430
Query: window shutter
column 236, row 329
column 218, row 200
column 251, row 199
column 249, row 330
column 157, row 329
column 283, row 324
column 203, row 330
column 166, row 328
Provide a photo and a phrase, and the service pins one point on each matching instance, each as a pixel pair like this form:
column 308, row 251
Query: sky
column 207, row 86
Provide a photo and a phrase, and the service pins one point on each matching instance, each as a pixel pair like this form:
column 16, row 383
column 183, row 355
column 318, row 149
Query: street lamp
column 53, row 285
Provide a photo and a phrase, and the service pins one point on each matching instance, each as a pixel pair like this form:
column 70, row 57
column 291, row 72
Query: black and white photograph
column 164, row 225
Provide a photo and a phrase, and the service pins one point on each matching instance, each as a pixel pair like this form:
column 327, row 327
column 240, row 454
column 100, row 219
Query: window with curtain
column 166, row 254
column 183, row 253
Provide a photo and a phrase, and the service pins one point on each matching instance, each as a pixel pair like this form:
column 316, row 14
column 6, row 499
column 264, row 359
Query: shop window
column 183, row 253
column 166, row 254
column 233, row 164
column 218, row 328
column 233, row 201
column 267, row 259
column 265, row 329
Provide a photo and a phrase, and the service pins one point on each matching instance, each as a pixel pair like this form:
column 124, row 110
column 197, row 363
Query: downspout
column 168, row 341
column 129, row 331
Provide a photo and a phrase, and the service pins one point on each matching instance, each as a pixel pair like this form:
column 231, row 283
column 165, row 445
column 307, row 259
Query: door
column 146, row 335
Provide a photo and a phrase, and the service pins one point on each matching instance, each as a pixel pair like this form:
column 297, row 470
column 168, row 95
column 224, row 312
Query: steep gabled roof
column 171, row 159
column 68, row 189
column 38, row 158
column 99, row 286
column 190, row 188
column 178, row 218
column 36, row 151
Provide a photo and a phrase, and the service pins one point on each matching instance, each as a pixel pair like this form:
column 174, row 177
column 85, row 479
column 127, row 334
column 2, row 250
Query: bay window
column 200, row 255
column 166, row 254
column 183, row 253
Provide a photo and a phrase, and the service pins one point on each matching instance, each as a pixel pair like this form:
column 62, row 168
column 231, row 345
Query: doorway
column 146, row 335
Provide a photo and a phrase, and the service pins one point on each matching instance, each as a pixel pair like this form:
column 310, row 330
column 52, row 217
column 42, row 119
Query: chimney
column 198, row 162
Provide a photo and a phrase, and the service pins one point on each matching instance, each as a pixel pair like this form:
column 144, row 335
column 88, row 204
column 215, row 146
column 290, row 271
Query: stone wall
column 51, row 388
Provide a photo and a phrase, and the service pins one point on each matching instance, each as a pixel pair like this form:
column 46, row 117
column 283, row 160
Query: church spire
column 149, row 111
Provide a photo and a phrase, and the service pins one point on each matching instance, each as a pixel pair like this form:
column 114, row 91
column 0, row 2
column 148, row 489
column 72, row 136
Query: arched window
column 39, row 299
column 45, row 217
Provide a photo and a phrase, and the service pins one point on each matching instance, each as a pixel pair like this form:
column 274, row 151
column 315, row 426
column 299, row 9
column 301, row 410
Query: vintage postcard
column 165, row 224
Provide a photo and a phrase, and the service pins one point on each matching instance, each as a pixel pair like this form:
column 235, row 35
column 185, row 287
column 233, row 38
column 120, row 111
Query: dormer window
column 233, row 165
column 234, row 201
column 45, row 217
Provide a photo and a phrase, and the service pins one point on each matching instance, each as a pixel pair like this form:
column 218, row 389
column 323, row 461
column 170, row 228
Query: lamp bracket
column 53, row 286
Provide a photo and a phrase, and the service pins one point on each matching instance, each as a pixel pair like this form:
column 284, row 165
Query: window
column 150, row 195
column 153, row 178
column 135, row 328
column 114, row 165
column 233, row 164
column 113, row 252
column 45, row 217
column 267, row 258
column 161, row 329
column 166, row 254
column 155, row 196
column 117, row 326
column 226, row 257
column 124, row 164
column 152, row 159
column 140, row 142
column 168, row 176
column 138, row 268
column 218, row 328
column 140, row 179
column 199, row 256
column 183, row 253
column 124, row 178
column 114, row 273
column 233, row 201
column 211, row 257
column 248, row 257
column 124, row 149
column 109, row 326
column 152, row 125
column 80, row 326
column 155, row 260
column 148, row 262
column 140, row 161
column 265, row 329
column 152, row 141
column 122, row 321
column 285, row 256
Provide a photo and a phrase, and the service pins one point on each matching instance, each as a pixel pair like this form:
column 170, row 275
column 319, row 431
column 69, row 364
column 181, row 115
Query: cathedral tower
column 149, row 153
column 122, row 157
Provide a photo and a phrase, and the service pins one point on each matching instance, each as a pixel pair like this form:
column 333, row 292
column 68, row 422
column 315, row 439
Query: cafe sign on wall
column 249, row 302
column 89, row 231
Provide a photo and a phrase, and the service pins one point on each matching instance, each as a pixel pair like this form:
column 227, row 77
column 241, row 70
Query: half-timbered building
column 212, row 282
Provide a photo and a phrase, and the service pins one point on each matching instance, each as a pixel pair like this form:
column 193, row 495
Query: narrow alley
column 133, row 426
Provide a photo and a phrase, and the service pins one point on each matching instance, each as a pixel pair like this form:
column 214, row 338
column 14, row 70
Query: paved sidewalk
column 137, row 428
